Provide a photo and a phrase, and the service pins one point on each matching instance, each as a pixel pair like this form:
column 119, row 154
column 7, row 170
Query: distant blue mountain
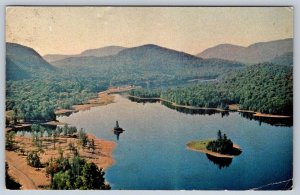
column 99, row 52
column 255, row 53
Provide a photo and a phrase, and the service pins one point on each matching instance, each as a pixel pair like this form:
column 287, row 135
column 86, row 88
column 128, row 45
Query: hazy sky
column 70, row 30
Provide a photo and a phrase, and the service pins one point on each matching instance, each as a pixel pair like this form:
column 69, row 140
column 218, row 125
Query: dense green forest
column 265, row 88
column 75, row 173
column 35, row 99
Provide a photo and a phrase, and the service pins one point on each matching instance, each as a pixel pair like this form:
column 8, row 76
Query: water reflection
column 288, row 122
column 220, row 162
column 117, row 133
column 225, row 113
column 118, row 130
column 182, row 109
column 138, row 100
column 65, row 114
column 195, row 111
column 27, row 131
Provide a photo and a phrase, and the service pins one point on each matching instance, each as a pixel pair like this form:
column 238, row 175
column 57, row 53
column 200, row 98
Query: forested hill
column 255, row 53
column 263, row 87
column 146, row 64
column 23, row 63
column 99, row 52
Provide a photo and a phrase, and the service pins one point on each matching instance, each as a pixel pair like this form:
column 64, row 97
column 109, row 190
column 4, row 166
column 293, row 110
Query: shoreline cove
column 103, row 98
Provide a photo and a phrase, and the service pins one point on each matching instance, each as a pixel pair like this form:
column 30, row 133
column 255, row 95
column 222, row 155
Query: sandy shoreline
column 259, row 114
column 102, row 100
column 33, row 178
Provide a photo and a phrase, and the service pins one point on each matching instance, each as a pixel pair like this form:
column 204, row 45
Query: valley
column 55, row 92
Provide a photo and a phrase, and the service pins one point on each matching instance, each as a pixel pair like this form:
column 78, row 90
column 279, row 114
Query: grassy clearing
column 198, row 144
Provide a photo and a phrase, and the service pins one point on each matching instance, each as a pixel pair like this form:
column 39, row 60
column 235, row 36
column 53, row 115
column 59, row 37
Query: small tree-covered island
column 222, row 147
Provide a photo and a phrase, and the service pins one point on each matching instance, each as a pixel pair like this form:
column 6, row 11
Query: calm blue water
column 152, row 154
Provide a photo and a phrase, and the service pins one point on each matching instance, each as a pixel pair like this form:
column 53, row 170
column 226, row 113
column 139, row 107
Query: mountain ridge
column 255, row 53
column 97, row 52
column 147, row 64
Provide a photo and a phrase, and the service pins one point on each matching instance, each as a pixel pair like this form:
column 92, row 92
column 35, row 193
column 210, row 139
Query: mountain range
column 143, row 64
column 255, row 53
column 99, row 52
column 146, row 63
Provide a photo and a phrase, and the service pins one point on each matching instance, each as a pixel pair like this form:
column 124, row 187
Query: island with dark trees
column 222, row 147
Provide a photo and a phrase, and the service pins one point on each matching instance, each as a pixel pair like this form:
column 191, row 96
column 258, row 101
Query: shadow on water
column 195, row 111
column 138, row 100
column 287, row 122
column 118, row 130
column 64, row 114
column 220, row 162
column 224, row 162
column 117, row 133
column 28, row 130
column 181, row 109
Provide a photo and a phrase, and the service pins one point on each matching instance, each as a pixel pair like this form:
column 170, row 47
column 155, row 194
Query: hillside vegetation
column 35, row 99
column 264, row 88
column 25, row 63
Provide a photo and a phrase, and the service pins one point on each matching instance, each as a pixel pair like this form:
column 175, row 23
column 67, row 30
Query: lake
column 151, row 153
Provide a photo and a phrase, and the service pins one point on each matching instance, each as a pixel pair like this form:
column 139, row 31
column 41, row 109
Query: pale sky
column 71, row 30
